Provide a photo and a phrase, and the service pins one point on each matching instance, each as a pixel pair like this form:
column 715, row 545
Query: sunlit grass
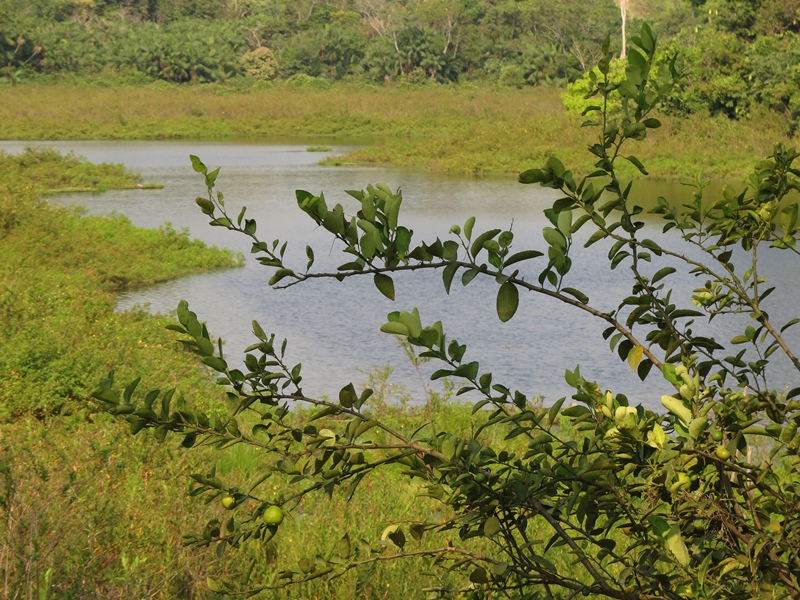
column 460, row 129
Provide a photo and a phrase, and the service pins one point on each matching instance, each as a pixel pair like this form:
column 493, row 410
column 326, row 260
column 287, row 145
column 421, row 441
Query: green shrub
column 301, row 80
column 259, row 64
column 512, row 76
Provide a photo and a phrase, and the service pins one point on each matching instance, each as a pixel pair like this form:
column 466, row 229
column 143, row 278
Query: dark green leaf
column 447, row 275
column 507, row 301
column 385, row 285
column 520, row 256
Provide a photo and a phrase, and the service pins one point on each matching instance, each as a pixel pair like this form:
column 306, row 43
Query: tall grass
column 462, row 129
column 83, row 513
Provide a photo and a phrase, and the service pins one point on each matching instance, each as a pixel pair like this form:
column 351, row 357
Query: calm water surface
column 333, row 328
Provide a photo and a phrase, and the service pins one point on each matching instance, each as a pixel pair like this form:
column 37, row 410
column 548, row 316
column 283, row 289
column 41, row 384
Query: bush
column 259, row 64
column 512, row 76
column 301, row 80
column 591, row 496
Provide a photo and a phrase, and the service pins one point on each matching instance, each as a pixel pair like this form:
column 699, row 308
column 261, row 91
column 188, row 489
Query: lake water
column 332, row 327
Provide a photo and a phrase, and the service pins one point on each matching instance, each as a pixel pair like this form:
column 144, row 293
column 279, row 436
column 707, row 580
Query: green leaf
column 128, row 394
column 215, row 363
column 553, row 412
column 564, row 223
column 468, row 276
column 197, row 164
column 507, row 301
column 398, row 537
column 657, row 436
column 328, row 410
column 205, row 346
column 676, row 545
column 206, row 205
column 555, row 238
column 595, row 237
column 661, row 273
column 395, row 328
column 258, row 331
column 447, row 275
column 697, row 426
column 532, row 176
column 343, row 547
column 575, row 411
column 348, row 396
column 468, row 228
column 491, row 526
column 279, row 275
column 479, row 576
column 577, row 294
column 523, row 255
column 678, row 408
column 477, row 245
column 385, row 285
column 107, row 396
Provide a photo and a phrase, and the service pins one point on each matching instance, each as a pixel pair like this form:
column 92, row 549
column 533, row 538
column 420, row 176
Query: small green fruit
column 273, row 515
column 722, row 453
column 228, row 502
column 681, row 481
column 716, row 435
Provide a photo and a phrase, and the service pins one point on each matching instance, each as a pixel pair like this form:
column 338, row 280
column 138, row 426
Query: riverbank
column 456, row 129
column 59, row 280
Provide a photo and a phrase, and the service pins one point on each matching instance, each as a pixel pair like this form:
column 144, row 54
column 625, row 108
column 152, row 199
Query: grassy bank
column 81, row 514
column 447, row 128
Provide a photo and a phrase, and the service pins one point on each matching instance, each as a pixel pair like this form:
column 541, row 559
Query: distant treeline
column 738, row 52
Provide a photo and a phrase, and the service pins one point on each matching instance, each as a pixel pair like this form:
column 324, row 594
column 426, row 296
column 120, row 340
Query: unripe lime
column 228, row 502
column 722, row 453
column 273, row 515
column 716, row 435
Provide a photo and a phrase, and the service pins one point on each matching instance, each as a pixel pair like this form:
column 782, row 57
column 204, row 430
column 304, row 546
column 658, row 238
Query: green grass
column 50, row 172
column 459, row 129
column 84, row 512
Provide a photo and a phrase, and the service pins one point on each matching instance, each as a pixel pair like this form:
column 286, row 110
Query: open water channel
column 332, row 327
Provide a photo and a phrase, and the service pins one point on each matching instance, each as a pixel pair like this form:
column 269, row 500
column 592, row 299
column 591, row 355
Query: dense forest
column 738, row 53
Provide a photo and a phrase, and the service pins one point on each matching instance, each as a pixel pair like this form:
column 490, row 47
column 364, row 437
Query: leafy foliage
column 697, row 501
column 259, row 64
